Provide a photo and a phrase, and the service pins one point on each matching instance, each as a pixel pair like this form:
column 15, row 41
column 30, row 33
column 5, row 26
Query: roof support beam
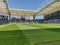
column 8, row 9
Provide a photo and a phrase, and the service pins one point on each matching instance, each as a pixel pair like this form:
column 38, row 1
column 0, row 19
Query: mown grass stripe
column 25, row 27
column 12, row 35
column 9, row 28
column 45, row 34
column 41, row 26
column 2, row 26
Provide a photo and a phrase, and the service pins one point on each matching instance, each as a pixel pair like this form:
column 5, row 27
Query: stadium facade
column 51, row 11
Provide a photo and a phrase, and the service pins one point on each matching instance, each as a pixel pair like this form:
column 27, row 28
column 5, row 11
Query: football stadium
column 24, row 27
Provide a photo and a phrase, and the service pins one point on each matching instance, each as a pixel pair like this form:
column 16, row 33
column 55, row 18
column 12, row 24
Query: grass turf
column 30, row 34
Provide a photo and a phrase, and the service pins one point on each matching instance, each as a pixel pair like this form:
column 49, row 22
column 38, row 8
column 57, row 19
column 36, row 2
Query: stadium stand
column 51, row 13
column 53, row 18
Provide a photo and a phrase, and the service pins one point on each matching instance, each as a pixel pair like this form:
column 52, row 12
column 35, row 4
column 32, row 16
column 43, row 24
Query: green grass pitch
column 30, row 34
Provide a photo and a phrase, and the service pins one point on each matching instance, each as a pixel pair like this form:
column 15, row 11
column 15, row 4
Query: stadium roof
column 3, row 8
column 50, row 8
column 22, row 12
